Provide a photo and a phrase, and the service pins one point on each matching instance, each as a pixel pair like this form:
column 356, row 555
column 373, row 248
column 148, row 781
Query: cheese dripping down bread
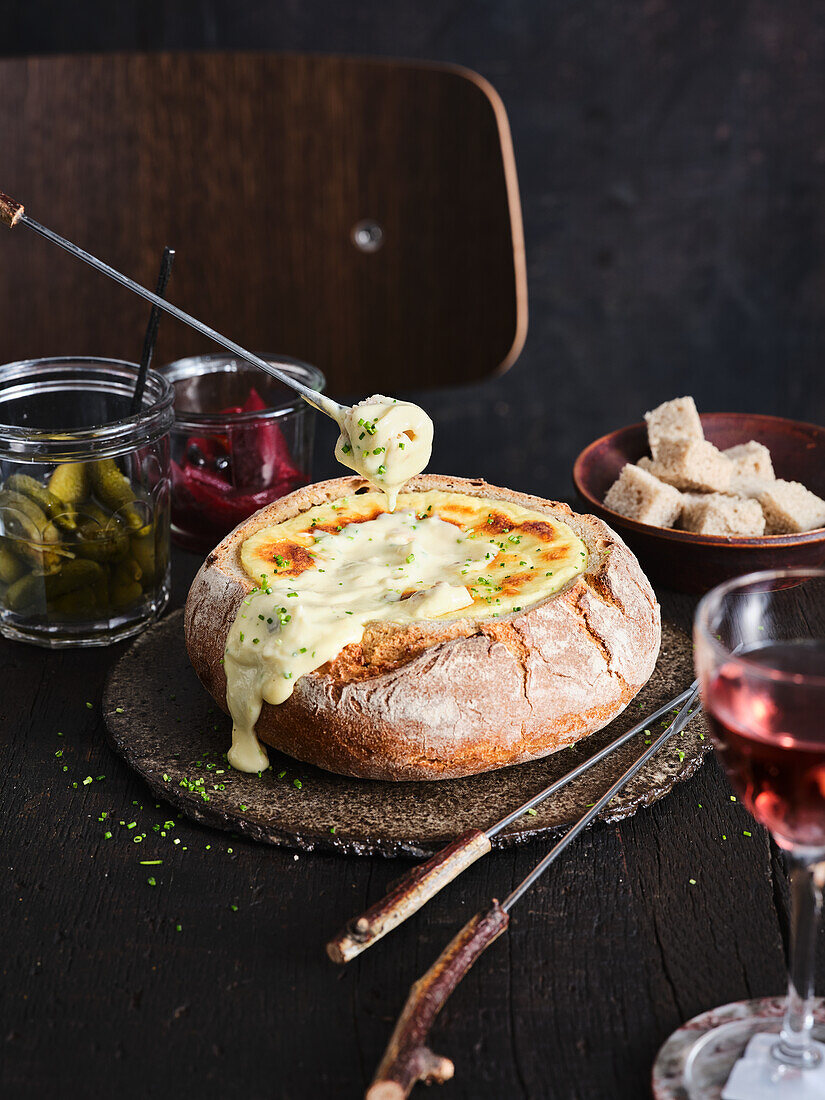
column 326, row 572
column 386, row 441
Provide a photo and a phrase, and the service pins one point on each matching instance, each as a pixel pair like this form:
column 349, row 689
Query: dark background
column 671, row 160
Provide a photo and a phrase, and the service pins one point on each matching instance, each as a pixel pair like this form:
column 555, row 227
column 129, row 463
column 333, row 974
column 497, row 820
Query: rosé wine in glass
column 760, row 659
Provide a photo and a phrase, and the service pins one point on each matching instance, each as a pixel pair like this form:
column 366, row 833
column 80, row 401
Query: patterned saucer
column 669, row 1068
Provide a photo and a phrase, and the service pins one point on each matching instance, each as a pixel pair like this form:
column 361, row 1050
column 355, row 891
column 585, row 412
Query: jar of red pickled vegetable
column 240, row 440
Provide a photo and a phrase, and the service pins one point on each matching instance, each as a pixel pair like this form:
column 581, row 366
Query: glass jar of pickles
column 84, row 501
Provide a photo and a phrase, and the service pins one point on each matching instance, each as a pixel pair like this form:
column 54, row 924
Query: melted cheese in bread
column 386, row 441
column 327, row 572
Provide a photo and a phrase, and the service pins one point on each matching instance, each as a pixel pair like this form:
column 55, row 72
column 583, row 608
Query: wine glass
column 760, row 657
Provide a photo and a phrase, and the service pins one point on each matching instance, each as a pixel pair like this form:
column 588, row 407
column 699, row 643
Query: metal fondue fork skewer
column 676, row 726
column 421, row 884
column 407, row 1058
column 11, row 214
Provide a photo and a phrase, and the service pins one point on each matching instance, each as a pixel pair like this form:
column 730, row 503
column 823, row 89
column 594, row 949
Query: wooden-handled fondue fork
column 423, row 882
column 407, row 1058
column 13, row 213
column 398, row 462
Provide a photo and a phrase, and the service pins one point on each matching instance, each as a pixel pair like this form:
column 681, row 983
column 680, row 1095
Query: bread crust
column 439, row 700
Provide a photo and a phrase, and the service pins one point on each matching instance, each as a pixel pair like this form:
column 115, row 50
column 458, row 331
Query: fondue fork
column 407, row 1058
column 12, row 214
column 426, row 880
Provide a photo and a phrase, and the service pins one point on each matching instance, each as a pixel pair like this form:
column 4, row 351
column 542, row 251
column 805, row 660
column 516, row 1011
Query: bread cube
column 751, row 458
column 640, row 496
column 790, row 508
column 719, row 514
column 694, row 465
column 752, row 470
column 677, row 419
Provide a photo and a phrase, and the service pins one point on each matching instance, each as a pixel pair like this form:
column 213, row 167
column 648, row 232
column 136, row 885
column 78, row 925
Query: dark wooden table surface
column 206, row 975
column 671, row 169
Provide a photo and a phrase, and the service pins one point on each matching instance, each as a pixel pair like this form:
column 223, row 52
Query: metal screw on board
column 367, row 235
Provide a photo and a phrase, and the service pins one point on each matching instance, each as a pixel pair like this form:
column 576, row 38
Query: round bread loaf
column 440, row 699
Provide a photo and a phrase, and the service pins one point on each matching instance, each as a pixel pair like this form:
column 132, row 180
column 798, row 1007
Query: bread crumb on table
column 791, row 508
column 640, row 496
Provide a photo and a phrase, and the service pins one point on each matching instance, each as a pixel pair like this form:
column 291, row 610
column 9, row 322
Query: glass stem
column 795, row 1046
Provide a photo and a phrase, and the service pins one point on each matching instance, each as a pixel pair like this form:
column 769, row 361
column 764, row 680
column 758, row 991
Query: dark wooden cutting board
column 161, row 720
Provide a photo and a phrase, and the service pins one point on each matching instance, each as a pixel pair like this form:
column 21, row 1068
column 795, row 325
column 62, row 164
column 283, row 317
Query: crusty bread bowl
column 440, row 699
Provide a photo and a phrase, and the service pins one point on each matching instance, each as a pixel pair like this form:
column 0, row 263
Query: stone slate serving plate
column 170, row 731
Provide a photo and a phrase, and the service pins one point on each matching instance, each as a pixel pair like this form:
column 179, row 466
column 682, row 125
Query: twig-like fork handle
column 416, row 888
column 407, row 1058
column 10, row 211
column 408, row 895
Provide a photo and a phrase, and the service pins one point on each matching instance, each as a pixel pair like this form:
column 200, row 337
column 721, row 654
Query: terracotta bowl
column 695, row 563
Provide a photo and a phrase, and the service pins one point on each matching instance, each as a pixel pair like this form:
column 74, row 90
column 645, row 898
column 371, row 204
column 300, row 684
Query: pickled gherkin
column 42, row 559
column 18, row 526
column 125, row 593
column 70, row 482
column 19, row 504
column 28, row 591
column 28, row 533
column 53, row 506
column 116, row 492
column 11, row 567
column 126, row 571
column 83, row 603
column 101, row 536
column 101, row 591
column 103, row 562
column 143, row 551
